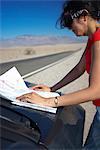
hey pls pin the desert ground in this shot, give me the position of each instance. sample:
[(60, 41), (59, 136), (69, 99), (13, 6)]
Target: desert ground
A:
[(15, 53)]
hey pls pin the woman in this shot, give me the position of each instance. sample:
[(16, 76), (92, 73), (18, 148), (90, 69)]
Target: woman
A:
[(82, 18)]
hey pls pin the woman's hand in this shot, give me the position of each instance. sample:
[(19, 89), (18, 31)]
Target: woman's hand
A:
[(41, 87), (36, 99)]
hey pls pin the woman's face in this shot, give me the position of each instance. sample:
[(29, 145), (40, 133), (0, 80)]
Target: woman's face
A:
[(79, 26)]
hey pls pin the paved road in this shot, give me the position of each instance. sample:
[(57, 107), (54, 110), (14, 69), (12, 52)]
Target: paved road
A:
[(32, 64)]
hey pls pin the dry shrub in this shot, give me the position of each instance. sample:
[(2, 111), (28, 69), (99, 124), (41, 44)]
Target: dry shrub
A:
[(29, 51)]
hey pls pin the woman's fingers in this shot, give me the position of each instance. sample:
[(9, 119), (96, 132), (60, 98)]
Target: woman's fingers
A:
[(28, 96), (41, 88), (31, 97), (34, 98), (38, 87)]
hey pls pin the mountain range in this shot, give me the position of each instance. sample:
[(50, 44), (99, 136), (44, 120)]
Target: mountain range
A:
[(31, 40)]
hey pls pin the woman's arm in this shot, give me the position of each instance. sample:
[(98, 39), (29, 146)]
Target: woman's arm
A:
[(75, 73)]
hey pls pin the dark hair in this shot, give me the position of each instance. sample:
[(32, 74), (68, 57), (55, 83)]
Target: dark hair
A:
[(76, 8)]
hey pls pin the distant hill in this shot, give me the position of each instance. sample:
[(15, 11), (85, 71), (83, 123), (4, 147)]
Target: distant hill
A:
[(31, 40)]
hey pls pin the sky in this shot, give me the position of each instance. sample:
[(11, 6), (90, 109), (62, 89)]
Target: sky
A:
[(31, 17)]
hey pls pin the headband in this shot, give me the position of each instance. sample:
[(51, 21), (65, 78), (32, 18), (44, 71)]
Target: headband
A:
[(78, 13)]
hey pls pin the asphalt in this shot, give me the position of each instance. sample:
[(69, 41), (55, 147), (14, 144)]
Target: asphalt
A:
[(29, 65)]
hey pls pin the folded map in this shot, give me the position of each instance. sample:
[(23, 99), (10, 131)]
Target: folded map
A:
[(12, 85)]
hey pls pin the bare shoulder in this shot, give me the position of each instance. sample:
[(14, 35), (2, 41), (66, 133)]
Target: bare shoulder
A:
[(96, 50), (96, 45), (95, 64)]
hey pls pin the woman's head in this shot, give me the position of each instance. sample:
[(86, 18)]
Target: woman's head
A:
[(76, 12)]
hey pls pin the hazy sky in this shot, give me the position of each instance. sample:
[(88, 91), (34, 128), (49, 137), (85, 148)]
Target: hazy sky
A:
[(32, 17)]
